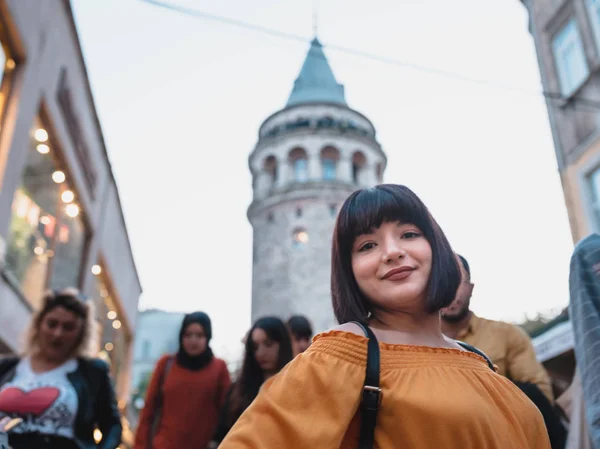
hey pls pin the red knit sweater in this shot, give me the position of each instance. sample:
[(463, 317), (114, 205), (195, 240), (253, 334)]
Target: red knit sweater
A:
[(191, 404)]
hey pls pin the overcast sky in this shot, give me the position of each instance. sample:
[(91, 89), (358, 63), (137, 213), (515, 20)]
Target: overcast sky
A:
[(181, 100)]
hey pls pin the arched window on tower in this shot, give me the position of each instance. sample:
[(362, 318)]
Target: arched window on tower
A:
[(270, 167), (299, 160), (329, 160), (380, 173), (359, 161)]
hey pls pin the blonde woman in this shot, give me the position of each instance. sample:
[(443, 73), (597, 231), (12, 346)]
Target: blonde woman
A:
[(60, 393)]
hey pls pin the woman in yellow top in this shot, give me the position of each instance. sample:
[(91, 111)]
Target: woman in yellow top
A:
[(393, 270)]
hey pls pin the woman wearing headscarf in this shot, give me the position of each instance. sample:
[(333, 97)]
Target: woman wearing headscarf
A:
[(185, 393)]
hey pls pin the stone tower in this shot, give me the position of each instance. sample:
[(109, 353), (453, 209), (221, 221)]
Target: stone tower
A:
[(309, 157)]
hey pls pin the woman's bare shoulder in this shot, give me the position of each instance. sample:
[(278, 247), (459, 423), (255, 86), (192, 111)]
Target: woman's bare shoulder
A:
[(351, 328)]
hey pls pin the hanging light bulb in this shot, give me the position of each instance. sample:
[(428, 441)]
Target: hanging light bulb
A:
[(96, 270), (72, 210), (42, 148), (58, 177), (67, 196), (111, 315), (116, 324), (41, 135)]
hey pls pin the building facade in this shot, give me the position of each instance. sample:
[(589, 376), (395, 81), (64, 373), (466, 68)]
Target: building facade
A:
[(566, 34), (61, 222), (309, 157), (157, 333)]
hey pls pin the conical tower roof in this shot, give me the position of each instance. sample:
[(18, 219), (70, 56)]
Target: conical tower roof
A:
[(316, 82)]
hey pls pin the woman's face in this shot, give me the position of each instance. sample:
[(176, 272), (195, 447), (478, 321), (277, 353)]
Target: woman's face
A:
[(392, 265), (194, 340), (59, 333), (266, 351)]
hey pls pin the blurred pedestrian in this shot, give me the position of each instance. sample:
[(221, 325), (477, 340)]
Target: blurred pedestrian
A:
[(185, 393), (392, 271), (268, 350), (302, 333), (584, 310), (509, 347), (60, 393)]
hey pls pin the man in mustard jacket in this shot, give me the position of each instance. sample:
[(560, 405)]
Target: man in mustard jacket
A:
[(508, 346)]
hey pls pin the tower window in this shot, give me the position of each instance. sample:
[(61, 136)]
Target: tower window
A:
[(299, 212), (570, 58), (358, 163), (328, 169), (299, 160), (270, 217), (332, 210), (270, 167), (329, 158), (380, 173), (301, 170), (300, 237)]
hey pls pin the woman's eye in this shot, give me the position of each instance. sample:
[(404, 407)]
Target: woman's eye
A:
[(367, 246), (411, 235)]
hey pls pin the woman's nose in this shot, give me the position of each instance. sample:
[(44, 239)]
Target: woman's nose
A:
[(393, 250)]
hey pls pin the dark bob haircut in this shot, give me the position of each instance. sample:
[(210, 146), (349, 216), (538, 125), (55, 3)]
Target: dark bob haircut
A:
[(364, 211)]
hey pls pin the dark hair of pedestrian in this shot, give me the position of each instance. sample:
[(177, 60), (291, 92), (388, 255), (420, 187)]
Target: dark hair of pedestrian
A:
[(363, 212), (300, 327), (252, 376)]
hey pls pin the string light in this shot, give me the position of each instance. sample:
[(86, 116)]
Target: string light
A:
[(41, 135), (72, 210), (96, 270), (42, 148), (111, 315), (67, 196), (116, 324), (109, 346), (58, 177)]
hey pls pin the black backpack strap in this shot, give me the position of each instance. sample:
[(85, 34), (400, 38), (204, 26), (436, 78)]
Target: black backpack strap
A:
[(371, 397), (474, 350)]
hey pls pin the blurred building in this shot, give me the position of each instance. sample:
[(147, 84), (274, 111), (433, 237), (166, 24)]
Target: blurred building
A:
[(554, 346), (157, 333), (566, 34), (61, 222), (309, 157)]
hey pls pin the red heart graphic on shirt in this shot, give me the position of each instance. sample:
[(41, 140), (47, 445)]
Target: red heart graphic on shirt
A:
[(35, 402)]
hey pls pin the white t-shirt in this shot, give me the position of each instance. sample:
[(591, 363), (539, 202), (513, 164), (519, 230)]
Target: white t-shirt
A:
[(47, 401)]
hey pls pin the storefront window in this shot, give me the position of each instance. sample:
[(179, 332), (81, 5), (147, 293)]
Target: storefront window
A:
[(114, 336), (7, 66), (47, 231)]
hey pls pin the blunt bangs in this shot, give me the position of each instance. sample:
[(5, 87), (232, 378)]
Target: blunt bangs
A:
[(367, 209), (362, 213)]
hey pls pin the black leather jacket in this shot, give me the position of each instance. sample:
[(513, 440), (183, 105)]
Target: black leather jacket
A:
[(97, 401)]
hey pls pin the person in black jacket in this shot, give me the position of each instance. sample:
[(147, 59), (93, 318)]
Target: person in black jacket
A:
[(61, 395)]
